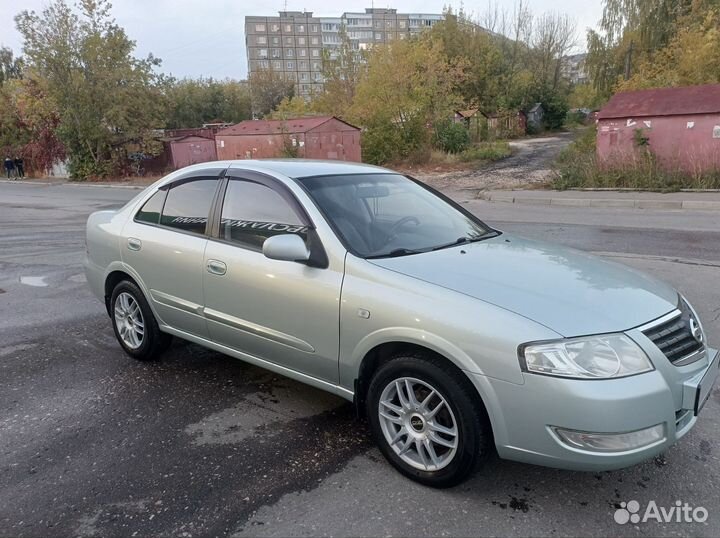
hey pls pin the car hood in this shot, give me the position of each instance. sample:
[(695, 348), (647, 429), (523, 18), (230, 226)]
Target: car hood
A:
[(568, 291)]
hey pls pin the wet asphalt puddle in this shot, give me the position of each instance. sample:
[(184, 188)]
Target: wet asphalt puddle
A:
[(94, 443)]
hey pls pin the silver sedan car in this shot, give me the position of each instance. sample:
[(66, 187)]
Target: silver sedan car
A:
[(451, 337)]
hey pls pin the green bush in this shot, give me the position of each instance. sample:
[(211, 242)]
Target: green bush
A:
[(532, 130), (577, 167), (452, 137), (556, 109), (389, 142), (380, 144), (575, 119)]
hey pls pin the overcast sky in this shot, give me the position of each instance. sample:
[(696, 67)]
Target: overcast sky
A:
[(205, 37)]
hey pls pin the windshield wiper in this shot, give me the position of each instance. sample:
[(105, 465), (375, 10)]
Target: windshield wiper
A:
[(395, 253), (458, 241), (408, 251), (465, 239)]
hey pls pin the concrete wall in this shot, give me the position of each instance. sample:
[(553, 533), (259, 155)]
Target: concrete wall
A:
[(689, 143)]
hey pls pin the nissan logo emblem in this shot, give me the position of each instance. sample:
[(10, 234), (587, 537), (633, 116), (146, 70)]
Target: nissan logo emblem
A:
[(695, 330)]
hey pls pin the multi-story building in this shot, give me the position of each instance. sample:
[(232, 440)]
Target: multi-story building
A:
[(572, 68), (293, 42)]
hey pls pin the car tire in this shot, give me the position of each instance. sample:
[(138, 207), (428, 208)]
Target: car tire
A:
[(134, 324), (454, 457)]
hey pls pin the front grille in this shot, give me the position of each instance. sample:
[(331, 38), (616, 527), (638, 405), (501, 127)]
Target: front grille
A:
[(674, 337)]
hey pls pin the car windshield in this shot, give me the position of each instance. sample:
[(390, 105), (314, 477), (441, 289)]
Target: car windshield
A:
[(385, 215)]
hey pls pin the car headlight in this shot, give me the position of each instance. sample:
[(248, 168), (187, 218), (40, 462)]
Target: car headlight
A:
[(590, 357)]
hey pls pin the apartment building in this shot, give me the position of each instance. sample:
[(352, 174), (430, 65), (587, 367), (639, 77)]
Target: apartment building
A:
[(572, 68), (292, 43)]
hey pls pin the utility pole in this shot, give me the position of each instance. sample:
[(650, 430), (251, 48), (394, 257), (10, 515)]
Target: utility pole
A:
[(628, 61)]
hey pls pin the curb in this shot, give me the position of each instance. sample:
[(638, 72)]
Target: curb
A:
[(105, 185), (701, 205), (73, 184), (25, 182), (631, 189)]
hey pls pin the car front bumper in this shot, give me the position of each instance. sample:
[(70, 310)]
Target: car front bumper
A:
[(524, 417)]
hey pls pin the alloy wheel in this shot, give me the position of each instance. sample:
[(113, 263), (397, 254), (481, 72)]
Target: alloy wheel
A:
[(418, 424), (129, 320)]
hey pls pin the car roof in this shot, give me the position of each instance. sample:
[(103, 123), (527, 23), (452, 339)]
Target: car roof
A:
[(292, 168), (300, 168)]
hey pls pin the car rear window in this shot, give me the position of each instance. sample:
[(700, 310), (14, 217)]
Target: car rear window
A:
[(150, 211)]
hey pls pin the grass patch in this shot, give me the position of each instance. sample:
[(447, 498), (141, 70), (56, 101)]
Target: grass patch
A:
[(433, 160), (577, 167), (482, 151), (486, 151)]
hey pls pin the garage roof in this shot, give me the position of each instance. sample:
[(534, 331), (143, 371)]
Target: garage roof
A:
[(295, 125), (663, 102)]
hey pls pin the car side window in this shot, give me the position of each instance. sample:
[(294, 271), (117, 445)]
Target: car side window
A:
[(252, 212), (188, 205), (150, 211)]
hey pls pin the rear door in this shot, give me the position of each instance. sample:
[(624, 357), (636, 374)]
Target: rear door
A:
[(165, 244), (283, 312)]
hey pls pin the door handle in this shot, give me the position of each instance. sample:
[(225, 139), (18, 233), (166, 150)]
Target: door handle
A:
[(134, 244), (216, 267)]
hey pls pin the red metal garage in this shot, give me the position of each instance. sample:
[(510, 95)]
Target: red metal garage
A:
[(325, 137), (191, 149), (681, 126)]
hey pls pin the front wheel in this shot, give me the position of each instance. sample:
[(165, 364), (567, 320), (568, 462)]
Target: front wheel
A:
[(134, 324), (425, 420)]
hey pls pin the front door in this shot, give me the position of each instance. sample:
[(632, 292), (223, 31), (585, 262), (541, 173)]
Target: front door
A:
[(283, 312)]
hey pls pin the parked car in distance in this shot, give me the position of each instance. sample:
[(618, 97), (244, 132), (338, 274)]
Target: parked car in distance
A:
[(451, 337)]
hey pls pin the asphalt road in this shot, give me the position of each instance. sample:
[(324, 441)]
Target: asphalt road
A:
[(199, 444)]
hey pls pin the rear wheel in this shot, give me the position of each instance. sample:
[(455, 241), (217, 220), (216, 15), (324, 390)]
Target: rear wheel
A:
[(425, 420), (134, 324)]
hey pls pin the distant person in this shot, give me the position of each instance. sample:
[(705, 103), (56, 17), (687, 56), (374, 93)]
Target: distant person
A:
[(9, 166), (19, 167)]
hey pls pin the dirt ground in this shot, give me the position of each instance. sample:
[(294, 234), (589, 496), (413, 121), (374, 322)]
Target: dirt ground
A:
[(528, 167)]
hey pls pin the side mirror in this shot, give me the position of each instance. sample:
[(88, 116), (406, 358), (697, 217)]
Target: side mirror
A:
[(286, 247)]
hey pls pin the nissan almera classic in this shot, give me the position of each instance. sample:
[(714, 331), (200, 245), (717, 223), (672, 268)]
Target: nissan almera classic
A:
[(451, 337)]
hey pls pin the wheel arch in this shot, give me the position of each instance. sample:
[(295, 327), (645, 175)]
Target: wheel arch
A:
[(116, 274), (386, 351)]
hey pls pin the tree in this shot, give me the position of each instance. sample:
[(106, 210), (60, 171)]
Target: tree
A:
[(584, 96), (293, 107), (528, 52), (692, 56), (341, 72), (553, 37), (473, 47), (10, 67), (630, 33), (409, 86), (30, 122), (268, 88), (192, 102), (109, 101)]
